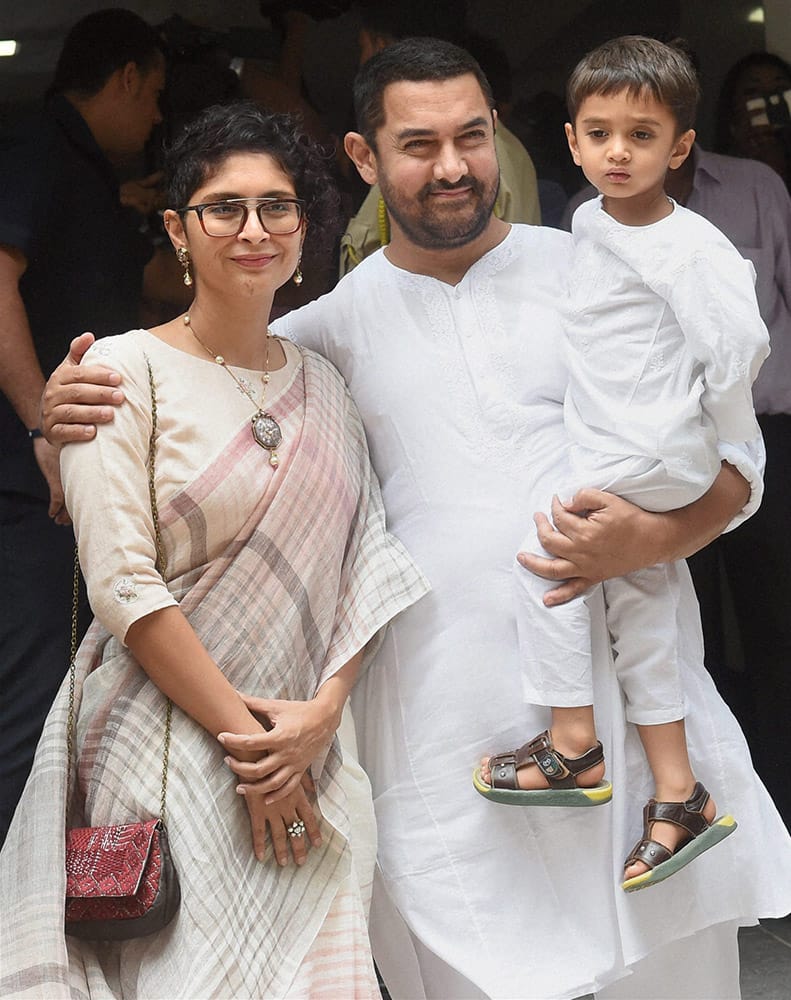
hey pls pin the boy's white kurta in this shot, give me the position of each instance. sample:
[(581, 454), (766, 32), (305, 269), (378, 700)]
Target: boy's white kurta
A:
[(460, 389), (663, 343)]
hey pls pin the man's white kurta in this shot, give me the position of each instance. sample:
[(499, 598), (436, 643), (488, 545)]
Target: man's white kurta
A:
[(460, 389)]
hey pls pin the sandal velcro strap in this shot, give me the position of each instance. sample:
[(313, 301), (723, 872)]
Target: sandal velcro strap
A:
[(688, 815), (541, 752), (559, 771)]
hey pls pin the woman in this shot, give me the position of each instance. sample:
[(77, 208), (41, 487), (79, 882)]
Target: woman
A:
[(280, 574)]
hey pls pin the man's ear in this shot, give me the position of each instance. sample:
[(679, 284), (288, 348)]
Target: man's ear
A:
[(571, 139), (362, 156), (130, 77), (682, 148)]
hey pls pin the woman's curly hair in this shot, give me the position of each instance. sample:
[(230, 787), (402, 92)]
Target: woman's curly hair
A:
[(222, 130)]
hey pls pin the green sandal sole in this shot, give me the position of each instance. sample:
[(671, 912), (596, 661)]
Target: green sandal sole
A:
[(717, 832), (597, 795)]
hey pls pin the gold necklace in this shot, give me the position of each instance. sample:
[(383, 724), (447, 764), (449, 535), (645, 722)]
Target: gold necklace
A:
[(266, 430)]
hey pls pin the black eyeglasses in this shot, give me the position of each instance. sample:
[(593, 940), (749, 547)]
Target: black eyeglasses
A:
[(278, 216)]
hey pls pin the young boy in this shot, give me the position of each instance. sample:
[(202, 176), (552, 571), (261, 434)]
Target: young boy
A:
[(663, 342)]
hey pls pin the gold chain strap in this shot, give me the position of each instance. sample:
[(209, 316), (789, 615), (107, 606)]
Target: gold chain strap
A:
[(75, 605), (160, 550), (75, 598)]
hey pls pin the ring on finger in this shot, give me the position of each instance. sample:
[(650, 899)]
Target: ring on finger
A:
[(296, 829)]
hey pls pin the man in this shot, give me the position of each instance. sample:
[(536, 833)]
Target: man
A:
[(748, 202), (449, 341), (382, 24), (69, 258)]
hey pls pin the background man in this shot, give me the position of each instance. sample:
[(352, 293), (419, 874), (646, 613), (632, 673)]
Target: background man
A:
[(69, 260)]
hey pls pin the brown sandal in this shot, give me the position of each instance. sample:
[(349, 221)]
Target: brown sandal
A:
[(661, 861), (561, 774)]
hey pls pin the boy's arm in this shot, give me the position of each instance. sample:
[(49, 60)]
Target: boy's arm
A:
[(598, 535), (75, 399)]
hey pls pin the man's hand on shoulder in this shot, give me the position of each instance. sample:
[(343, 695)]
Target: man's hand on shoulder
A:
[(77, 398)]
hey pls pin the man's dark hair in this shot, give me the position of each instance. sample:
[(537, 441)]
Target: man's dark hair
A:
[(643, 67), (222, 130), (100, 44), (415, 60)]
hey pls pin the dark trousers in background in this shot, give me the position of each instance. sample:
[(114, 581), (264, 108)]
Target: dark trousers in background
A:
[(743, 582), (36, 573)]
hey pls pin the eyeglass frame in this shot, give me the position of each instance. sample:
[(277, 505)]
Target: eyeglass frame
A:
[(243, 202)]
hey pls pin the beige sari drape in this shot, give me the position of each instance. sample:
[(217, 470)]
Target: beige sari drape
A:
[(311, 579)]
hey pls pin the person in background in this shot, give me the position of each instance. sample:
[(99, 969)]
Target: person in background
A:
[(537, 121), (753, 116), (70, 258)]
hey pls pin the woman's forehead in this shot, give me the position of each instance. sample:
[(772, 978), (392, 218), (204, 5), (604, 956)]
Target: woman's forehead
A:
[(243, 171)]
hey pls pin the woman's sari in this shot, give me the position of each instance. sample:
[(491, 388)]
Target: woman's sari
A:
[(310, 579)]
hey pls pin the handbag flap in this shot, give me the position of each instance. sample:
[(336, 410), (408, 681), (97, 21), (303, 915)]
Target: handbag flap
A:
[(108, 860)]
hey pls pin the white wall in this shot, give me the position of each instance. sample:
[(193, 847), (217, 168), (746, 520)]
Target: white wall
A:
[(777, 15)]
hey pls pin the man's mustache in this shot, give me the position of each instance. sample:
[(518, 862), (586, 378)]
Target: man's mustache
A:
[(464, 182)]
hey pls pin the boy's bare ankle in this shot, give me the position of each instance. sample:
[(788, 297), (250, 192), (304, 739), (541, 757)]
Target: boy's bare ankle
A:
[(674, 790), (573, 742), (573, 730)]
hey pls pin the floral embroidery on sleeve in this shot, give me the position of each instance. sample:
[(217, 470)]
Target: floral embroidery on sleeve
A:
[(125, 590)]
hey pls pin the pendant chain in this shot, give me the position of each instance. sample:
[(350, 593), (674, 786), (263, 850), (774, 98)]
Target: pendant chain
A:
[(266, 430)]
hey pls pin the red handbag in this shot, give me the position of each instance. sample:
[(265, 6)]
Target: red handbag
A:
[(120, 880)]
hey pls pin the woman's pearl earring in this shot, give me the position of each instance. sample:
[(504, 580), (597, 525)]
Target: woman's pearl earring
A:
[(183, 257)]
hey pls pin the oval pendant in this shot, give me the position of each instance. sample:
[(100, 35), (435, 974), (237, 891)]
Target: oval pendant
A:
[(266, 431)]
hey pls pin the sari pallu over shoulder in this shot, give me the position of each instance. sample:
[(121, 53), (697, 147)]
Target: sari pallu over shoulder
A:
[(311, 579)]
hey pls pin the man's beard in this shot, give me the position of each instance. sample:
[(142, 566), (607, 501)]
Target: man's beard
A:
[(441, 231)]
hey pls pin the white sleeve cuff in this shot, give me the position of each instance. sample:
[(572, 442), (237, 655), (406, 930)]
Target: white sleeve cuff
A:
[(750, 460)]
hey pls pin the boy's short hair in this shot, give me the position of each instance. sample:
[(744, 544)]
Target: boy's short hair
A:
[(642, 67), (415, 60)]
